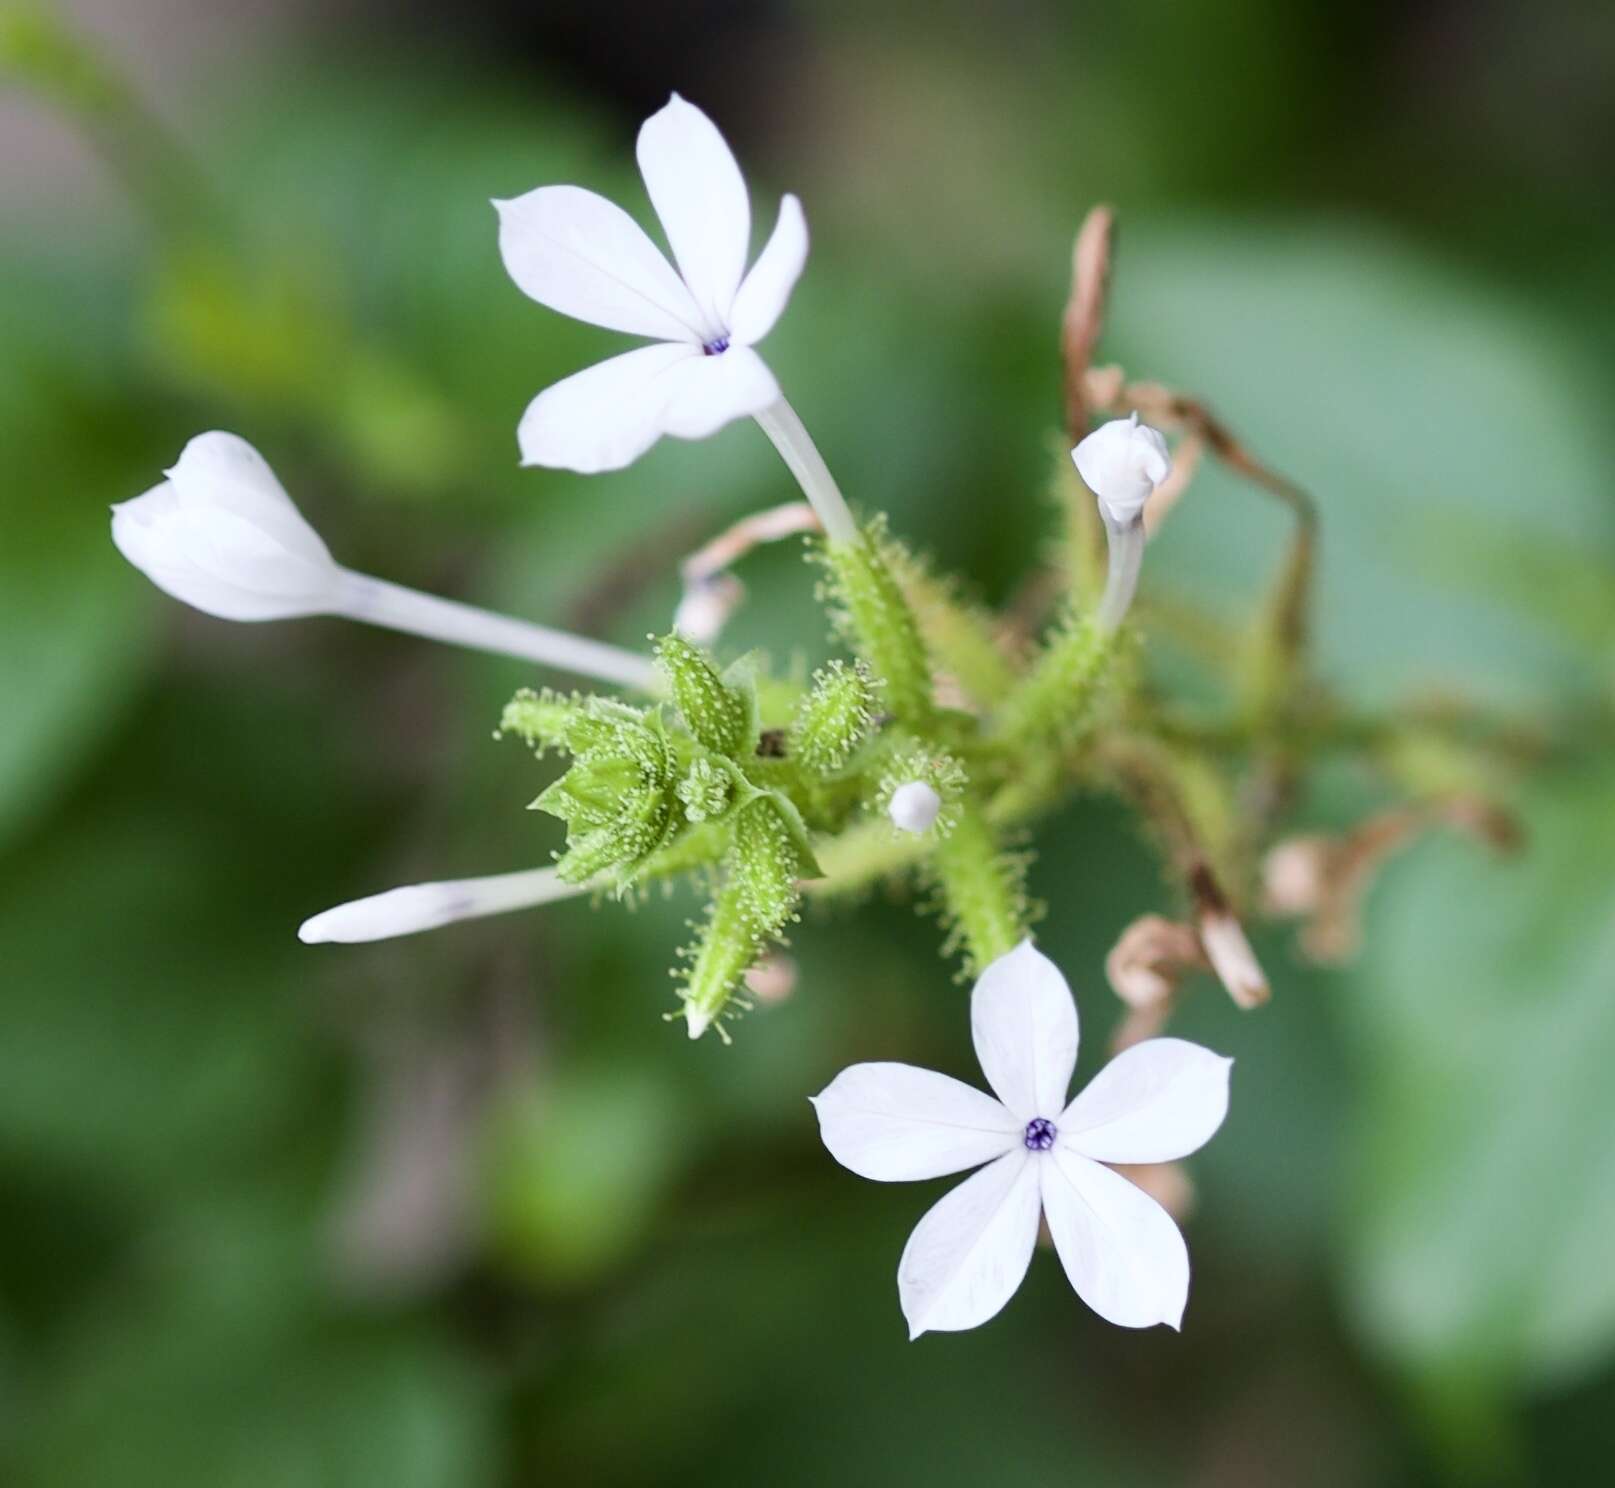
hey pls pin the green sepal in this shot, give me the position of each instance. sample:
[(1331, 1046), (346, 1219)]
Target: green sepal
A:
[(619, 798), (765, 866), (717, 715), (834, 717)]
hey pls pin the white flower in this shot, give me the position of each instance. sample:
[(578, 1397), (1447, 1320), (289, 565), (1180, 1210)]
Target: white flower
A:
[(223, 536), (1122, 462), (1160, 1100), (914, 807), (578, 253)]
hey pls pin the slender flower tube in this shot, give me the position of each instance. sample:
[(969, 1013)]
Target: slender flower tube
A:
[(583, 256), (796, 447), (1122, 463), (221, 535), (417, 907)]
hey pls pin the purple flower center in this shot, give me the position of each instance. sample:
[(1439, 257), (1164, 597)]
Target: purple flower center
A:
[(1040, 1134), (716, 347)]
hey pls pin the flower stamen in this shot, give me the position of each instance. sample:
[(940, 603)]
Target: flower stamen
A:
[(1040, 1134)]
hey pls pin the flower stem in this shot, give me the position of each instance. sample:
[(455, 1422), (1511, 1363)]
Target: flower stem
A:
[(377, 602), (797, 449), (1126, 544)]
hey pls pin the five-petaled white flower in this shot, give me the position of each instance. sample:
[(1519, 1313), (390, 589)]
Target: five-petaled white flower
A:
[(1159, 1100), (578, 253)]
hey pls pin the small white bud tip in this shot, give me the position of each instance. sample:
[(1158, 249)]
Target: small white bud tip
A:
[(1122, 463), (417, 907), (404, 911), (697, 1022), (914, 807)]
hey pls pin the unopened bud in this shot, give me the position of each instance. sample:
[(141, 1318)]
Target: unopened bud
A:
[(1122, 462), (222, 535), (715, 712), (833, 718), (914, 807)]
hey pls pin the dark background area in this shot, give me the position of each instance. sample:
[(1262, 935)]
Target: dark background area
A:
[(461, 1209)]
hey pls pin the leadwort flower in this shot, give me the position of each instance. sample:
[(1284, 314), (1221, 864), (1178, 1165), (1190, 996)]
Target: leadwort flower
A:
[(578, 253), (920, 756), (221, 535), (1160, 1100)]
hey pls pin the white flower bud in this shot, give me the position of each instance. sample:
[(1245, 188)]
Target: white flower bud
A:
[(417, 907), (222, 535), (914, 807), (1122, 462)]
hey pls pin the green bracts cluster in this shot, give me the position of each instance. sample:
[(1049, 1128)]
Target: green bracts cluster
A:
[(712, 785)]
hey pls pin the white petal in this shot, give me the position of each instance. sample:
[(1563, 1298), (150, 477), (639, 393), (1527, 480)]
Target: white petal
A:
[(1122, 463), (584, 256), (714, 390), (1120, 1249), (222, 471), (605, 416), (218, 562), (1159, 1100), (893, 1122), (772, 278), (700, 195), (967, 1256), (1024, 1022)]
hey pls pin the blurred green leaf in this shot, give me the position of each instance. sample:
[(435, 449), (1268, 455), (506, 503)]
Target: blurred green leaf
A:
[(577, 1167), (1484, 1015), (75, 632), (1411, 402), (145, 1041), (73, 637)]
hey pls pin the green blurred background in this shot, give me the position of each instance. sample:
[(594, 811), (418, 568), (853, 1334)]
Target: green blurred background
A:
[(462, 1210)]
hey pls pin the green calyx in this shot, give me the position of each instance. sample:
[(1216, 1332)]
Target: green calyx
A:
[(745, 781), (706, 790), (719, 716), (834, 717), (618, 799), (758, 898), (873, 614), (1054, 702)]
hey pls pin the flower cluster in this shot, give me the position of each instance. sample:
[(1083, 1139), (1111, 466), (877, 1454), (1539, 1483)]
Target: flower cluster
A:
[(920, 755)]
